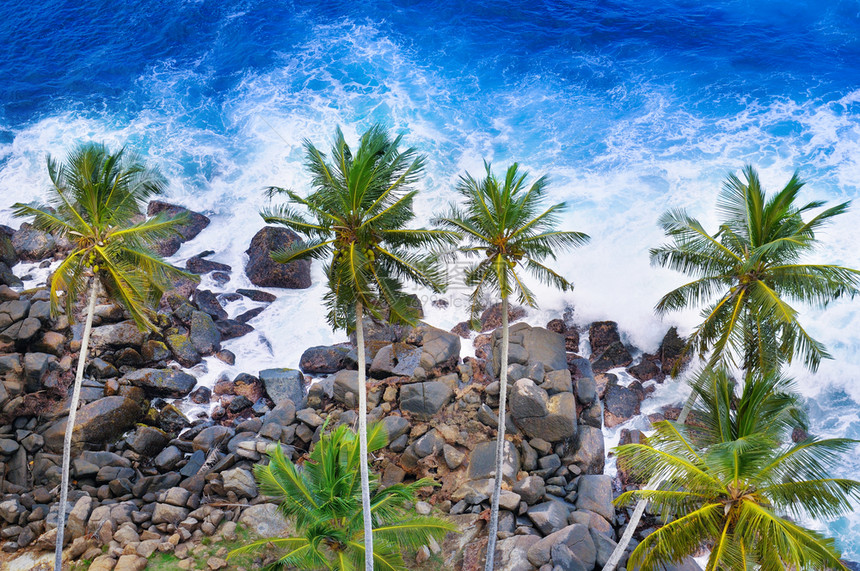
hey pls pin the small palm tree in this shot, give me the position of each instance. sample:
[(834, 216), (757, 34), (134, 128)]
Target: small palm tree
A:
[(735, 482), (752, 266), (95, 200), (323, 497), (359, 211), (505, 222)]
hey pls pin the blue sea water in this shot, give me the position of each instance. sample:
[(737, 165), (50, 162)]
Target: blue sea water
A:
[(630, 107)]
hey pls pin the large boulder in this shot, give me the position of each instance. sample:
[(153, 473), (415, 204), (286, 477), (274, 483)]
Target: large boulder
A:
[(161, 382), (576, 537), (12, 311), (590, 454), (263, 271), (96, 423), (122, 334), (545, 346), (326, 359), (671, 352), (482, 462), (397, 359), (549, 516), (8, 277), (440, 350), (602, 334), (620, 404), (33, 245), (8, 255), (541, 416), (204, 335), (285, 384), (183, 349), (193, 223), (266, 520), (424, 400), (595, 494)]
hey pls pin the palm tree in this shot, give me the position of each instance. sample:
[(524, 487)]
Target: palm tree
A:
[(504, 222), (736, 482), (323, 496), (359, 210), (95, 200), (753, 267)]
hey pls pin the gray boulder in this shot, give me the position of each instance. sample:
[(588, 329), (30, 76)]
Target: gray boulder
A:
[(326, 359), (122, 334), (595, 494), (549, 516), (541, 416), (96, 423), (203, 334), (545, 346), (424, 400), (397, 359), (590, 453), (482, 462), (193, 223), (33, 245), (576, 537), (285, 384)]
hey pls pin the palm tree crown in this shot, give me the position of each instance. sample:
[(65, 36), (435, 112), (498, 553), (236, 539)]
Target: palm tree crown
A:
[(505, 222), (735, 482), (323, 497), (358, 214), (96, 200), (753, 265)]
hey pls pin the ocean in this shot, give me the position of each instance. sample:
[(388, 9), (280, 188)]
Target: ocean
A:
[(630, 108)]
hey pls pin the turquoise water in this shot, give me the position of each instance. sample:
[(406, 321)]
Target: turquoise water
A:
[(631, 107)]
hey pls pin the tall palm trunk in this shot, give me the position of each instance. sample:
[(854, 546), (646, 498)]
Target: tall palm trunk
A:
[(362, 438), (500, 441), (70, 426)]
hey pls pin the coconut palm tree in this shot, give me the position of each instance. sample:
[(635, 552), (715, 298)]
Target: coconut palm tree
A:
[(357, 217), (95, 201), (736, 483), (323, 497), (505, 223), (753, 267)]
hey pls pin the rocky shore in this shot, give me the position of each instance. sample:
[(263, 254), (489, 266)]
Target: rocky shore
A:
[(148, 480)]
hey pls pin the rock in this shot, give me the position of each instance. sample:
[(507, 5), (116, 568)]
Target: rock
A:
[(604, 546), (265, 520), (325, 359), (429, 444), (557, 382), (345, 390), (397, 359), (619, 405), (257, 295), (201, 395), (453, 457), (36, 365), (575, 537), (22, 331), (209, 304), (8, 256), (250, 314), (153, 350), (545, 347), (602, 334), (284, 384), (33, 245), (440, 350), (96, 423), (491, 318), (265, 272), (644, 370), (171, 420), (590, 452), (241, 482), (161, 382), (204, 336), (212, 437), (122, 334), (12, 311), (511, 553), (168, 458), (616, 355), (8, 278), (424, 400), (595, 494), (148, 440), (76, 523), (183, 349), (101, 369), (549, 516), (192, 225), (200, 265), (671, 352), (165, 513), (395, 426), (539, 415), (531, 489), (231, 329), (482, 462), (283, 414)]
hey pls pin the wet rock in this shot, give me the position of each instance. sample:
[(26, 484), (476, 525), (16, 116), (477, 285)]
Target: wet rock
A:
[(193, 224), (208, 303), (200, 265), (602, 334), (33, 245), (148, 441), (122, 334), (152, 351), (424, 400), (590, 452), (231, 329), (265, 272), (326, 359), (201, 395), (101, 369), (616, 355), (204, 336), (8, 278), (645, 370), (250, 314), (284, 384), (491, 318), (96, 423), (482, 462), (671, 352), (161, 382), (619, 405), (257, 295)]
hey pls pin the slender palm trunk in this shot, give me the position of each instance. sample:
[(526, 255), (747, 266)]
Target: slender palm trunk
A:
[(70, 425), (500, 441), (362, 438)]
